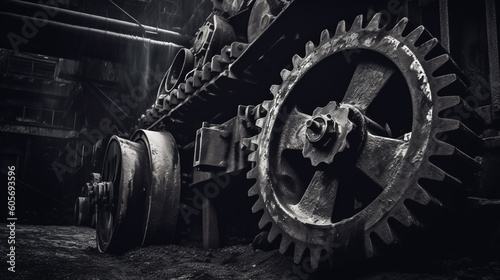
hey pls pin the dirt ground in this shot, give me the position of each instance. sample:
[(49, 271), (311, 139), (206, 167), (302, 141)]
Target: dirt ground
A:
[(68, 252)]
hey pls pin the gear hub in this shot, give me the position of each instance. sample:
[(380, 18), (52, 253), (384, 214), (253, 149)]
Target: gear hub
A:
[(320, 130), (326, 133)]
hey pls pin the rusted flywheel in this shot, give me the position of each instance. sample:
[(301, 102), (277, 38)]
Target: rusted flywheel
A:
[(162, 188), (119, 195), (354, 141)]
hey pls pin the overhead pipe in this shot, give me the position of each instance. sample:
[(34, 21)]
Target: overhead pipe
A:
[(42, 36), (92, 21)]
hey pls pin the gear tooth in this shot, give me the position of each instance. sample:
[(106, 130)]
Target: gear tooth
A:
[(273, 233), (385, 233), (405, 217), (254, 140), (437, 62), (451, 125), (275, 89), (435, 173), (285, 73), (340, 28), (310, 47), (357, 24), (426, 47), (415, 34), (453, 180), (259, 123), (446, 102), (400, 26), (314, 160), (285, 243), (299, 252), (296, 60), (252, 157), (375, 22), (267, 105), (324, 37), (443, 81), (265, 219), (254, 190), (252, 174), (259, 205), (315, 257), (207, 73), (422, 197), (216, 64)]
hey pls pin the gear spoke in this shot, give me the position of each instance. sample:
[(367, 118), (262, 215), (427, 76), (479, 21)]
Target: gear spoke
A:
[(293, 132), (388, 153), (319, 199), (368, 80)]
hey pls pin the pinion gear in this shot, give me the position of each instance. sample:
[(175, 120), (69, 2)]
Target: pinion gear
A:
[(395, 93)]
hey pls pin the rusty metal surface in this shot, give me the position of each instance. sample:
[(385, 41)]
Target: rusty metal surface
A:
[(367, 127), (125, 170), (345, 209), (162, 188)]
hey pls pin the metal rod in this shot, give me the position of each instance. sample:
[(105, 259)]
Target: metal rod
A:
[(93, 21), (127, 14), (74, 42)]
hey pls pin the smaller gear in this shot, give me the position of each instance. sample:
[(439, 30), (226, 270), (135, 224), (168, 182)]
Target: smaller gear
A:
[(203, 38), (326, 133)]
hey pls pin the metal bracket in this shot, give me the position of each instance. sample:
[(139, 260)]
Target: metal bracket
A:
[(224, 148), (211, 147)]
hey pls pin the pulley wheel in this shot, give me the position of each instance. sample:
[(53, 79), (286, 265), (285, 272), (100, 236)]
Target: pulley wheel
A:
[(125, 168), (81, 212), (182, 64), (162, 192)]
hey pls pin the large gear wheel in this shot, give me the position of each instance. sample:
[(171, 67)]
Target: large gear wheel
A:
[(352, 146)]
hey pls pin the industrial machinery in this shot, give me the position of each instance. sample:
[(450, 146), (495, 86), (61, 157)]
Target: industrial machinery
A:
[(355, 123)]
